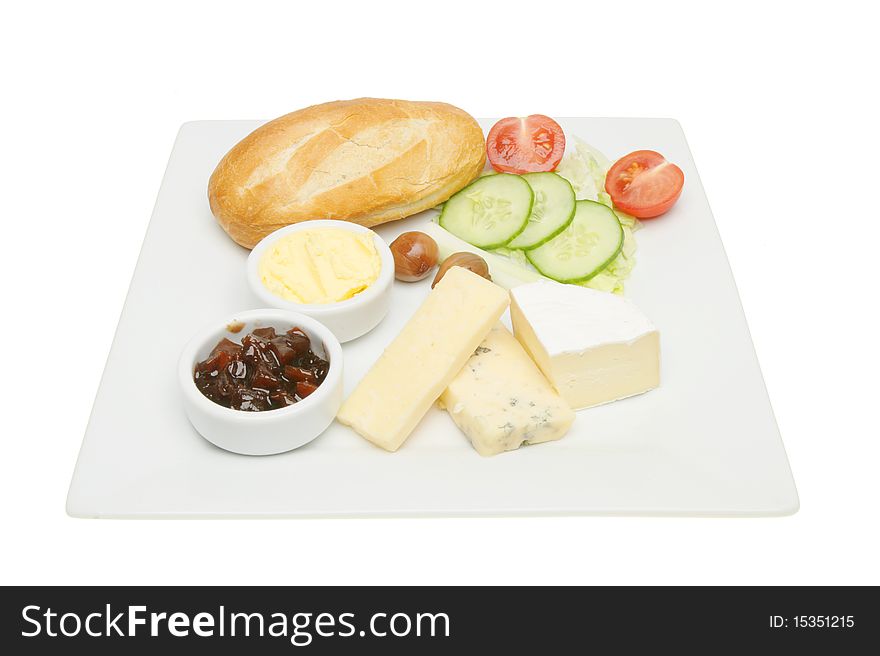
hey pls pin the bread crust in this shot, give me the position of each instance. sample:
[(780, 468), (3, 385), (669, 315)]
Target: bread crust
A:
[(367, 160)]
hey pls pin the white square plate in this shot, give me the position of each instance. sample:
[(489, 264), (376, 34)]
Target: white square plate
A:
[(704, 443)]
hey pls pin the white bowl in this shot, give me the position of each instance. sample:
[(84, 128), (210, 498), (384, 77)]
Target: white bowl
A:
[(271, 431), (347, 319)]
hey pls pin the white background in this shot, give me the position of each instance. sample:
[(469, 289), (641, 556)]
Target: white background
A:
[(778, 101)]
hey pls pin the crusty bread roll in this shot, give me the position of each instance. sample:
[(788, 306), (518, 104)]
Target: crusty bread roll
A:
[(367, 160)]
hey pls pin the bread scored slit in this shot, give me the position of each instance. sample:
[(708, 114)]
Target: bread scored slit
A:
[(349, 163), (277, 164)]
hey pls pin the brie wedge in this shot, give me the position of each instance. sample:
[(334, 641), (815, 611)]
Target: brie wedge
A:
[(593, 346)]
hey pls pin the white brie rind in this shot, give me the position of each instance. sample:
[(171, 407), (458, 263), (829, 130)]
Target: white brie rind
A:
[(594, 347)]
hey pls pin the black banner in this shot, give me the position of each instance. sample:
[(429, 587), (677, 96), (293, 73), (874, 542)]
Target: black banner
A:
[(421, 620)]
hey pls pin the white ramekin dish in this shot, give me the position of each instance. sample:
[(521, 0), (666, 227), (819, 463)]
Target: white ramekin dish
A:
[(347, 319), (271, 431)]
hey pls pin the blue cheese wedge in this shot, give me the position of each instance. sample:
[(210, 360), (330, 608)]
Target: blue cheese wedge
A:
[(594, 347), (500, 400)]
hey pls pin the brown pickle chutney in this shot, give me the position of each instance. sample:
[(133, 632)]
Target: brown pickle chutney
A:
[(266, 371)]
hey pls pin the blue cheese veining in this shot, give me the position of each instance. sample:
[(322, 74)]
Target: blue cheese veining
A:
[(501, 400)]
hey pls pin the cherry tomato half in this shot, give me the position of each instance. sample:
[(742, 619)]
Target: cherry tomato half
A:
[(644, 184), (525, 145)]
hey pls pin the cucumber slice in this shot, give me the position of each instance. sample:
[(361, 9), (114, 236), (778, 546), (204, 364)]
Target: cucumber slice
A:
[(589, 244), (490, 211), (552, 211)]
